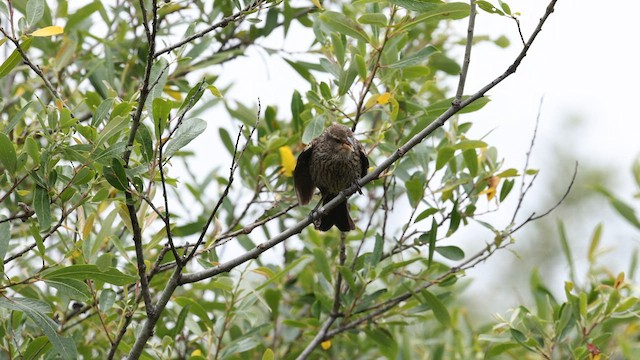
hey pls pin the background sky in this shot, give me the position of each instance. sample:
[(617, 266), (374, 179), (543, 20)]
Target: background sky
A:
[(585, 65)]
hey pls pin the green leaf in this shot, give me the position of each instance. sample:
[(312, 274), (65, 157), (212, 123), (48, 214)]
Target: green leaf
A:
[(297, 107), (444, 155), (268, 354), (86, 271), (5, 236), (595, 242), (508, 173), (439, 310), (188, 130), (116, 176), (42, 207), (71, 288), (107, 299), (314, 128), (471, 161), (36, 310), (416, 58), (14, 59), (425, 214), (340, 23), (433, 233), (373, 19), (197, 309), (36, 348), (322, 263), (82, 14), (113, 128), (622, 208), (454, 10), (377, 251), (115, 150), (35, 11), (506, 189), (469, 144), (415, 190), (102, 111), (450, 252), (418, 5), (17, 117), (8, 157)]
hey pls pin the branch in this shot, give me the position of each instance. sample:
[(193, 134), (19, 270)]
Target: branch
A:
[(239, 16), (384, 165), (467, 51)]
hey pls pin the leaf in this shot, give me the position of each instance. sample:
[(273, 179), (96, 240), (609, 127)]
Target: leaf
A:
[(471, 161), (622, 208), (188, 130), (432, 239), (340, 23), (214, 91), (373, 19), (287, 161), (444, 155), (113, 128), (196, 308), (86, 271), (42, 207), (268, 354), (36, 310), (107, 299), (71, 288), (469, 144), (376, 255), (425, 214), (14, 59), (101, 111), (439, 310), (508, 173), (48, 31), (8, 157), (314, 129), (594, 243), (5, 236), (35, 11), (416, 58), (450, 252), (506, 189), (297, 106), (418, 5), (415, 190), (17, 117), (322, 263)]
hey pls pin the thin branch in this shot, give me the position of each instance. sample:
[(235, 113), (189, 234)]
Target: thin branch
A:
[(467, 51), (373, 175), (239, 16), (524, 189)]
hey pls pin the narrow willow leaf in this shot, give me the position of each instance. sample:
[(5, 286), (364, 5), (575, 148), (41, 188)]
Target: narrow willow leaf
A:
[(188, 130), (439, 310), (42, 207), (8, 157), (313, 129), (342, 24), (86, 271), (14, 59), (416, 58)]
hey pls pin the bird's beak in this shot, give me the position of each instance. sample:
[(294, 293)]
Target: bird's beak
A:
[(349, 144)]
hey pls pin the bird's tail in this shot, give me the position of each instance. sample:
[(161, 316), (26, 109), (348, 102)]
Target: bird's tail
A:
[(338, 216)]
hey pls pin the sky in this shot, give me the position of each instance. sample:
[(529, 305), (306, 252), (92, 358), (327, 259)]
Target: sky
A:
[(583, 65)]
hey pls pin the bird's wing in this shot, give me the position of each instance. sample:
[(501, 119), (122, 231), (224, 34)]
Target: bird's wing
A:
[(302, 176), (364, 161)]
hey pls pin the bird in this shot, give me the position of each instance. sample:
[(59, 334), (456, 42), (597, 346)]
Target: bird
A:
[(332, 162)]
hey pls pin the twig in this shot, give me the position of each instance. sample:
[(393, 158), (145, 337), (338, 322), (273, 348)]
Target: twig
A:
[(222, 23), (524, 189), (384, 165), (467, 51)]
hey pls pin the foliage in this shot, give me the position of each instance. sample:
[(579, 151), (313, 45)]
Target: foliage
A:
[(109, 249)]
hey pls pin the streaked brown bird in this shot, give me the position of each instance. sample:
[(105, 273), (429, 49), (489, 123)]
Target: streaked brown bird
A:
[(332, 162)]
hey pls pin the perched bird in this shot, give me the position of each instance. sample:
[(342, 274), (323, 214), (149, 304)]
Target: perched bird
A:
[(332, 162)]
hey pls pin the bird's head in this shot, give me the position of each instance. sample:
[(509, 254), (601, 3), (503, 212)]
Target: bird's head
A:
[(342, 136)]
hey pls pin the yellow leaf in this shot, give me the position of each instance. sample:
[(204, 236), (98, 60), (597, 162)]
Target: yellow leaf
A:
[(317, 4), (48, 31), (326, 345), (619, 280), (214, 90), (196, 352), (175, 95), (287, 161), (372, 101), (491, 188), (383, 99)]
